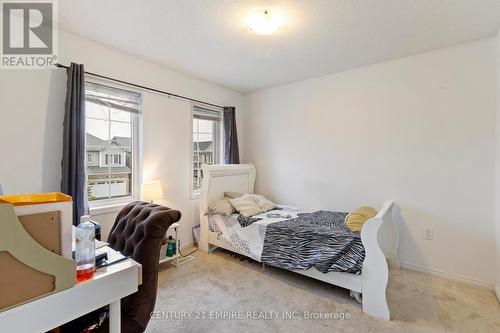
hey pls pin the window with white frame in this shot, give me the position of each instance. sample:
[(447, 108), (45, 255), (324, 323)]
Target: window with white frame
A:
[(206, 142), (112, 143), (113, 159)]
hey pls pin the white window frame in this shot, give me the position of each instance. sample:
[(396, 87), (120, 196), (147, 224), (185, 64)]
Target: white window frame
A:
[(195, 193), (104, 206)]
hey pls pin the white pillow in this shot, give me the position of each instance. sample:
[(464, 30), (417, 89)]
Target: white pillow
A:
[(233, 195), (245, 206), (222, 207), (264, 204), (252, 204)]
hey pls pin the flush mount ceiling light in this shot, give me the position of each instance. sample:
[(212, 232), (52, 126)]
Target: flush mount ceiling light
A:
[(265, 21)]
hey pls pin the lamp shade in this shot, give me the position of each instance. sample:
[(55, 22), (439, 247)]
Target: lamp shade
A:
[(152, 190)]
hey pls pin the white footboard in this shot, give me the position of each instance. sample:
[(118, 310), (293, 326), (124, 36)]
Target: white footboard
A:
[(380, 239)]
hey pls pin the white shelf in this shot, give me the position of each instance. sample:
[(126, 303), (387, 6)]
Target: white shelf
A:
[(163, 257), (167, 259)]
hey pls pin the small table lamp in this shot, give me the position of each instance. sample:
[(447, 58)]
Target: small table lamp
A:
[(152, 190)]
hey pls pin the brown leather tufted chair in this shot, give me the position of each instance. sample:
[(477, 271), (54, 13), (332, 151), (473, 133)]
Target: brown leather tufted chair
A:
[(137, 232)]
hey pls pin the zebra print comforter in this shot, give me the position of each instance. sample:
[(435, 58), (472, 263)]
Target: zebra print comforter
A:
[(318, 240), (295, 240)]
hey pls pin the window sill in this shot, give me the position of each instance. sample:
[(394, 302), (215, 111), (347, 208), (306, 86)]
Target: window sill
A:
[(101, 210)]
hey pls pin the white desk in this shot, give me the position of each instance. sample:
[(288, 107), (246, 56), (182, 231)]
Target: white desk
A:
[(108, 286)]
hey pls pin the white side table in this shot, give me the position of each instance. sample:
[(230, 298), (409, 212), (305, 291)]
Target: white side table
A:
[(175, 258)]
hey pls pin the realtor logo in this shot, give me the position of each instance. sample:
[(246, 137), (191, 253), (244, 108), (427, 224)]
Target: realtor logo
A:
[(29, 34)]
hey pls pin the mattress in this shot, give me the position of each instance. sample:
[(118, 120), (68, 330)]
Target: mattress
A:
[(294, 239)]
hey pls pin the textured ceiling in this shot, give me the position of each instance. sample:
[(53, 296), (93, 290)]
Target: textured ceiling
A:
[(209, 38)]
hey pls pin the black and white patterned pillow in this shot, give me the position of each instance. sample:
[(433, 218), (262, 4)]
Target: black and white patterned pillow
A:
[(246, 221)]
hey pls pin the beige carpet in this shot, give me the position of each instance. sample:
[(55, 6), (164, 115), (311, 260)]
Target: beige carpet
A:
[(218, 282)]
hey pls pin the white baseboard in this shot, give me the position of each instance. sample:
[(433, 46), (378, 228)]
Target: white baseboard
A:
[(448, 276), (187, 245)]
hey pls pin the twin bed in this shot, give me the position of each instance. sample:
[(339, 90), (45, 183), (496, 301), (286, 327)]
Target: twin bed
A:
[(311, 243)]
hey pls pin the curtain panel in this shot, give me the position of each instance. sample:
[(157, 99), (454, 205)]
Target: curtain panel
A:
[(231, 149), (73, 180)]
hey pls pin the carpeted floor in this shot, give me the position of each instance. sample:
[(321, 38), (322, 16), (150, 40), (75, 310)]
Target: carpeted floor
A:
[(246, 299)]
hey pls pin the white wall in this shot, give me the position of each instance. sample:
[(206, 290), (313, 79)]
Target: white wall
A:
[(418, 130), (32, 109), (167, 153), (31, 129), (497, 171)]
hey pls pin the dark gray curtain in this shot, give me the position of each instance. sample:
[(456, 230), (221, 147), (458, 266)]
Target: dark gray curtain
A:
[(73, 180), (231, 150)]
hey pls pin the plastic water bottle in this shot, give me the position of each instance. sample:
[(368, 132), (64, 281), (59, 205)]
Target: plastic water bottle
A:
[(85, 249)]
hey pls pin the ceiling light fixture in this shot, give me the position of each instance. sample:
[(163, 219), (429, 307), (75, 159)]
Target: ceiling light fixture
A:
[(265, 21)]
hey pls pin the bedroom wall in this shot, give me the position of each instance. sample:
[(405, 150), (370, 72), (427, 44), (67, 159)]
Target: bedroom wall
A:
[(32, 109), (31, 116), (418, 130), (497, 171)]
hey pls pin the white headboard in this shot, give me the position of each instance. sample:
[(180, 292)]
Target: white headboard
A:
[(218, 179)]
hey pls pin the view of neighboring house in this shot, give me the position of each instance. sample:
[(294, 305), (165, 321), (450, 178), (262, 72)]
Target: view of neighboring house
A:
[(202, 154), (109, 165)]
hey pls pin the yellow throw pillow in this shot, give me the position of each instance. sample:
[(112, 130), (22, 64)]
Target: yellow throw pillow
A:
[(354, 221)]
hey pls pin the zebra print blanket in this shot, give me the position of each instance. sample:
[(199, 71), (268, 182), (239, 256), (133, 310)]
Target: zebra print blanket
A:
[(293, 239), (318, 240)]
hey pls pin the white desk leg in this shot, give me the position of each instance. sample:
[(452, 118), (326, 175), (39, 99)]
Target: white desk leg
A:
[(114, 317), (177, 248)]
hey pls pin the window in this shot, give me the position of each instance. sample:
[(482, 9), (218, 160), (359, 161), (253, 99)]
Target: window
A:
[(113, 159), (112, 126), (206, 142), (90, 158)]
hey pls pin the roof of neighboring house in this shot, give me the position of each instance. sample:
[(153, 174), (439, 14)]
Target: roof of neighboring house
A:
[(95, 144), (122, 141), (92, 140), (95, 170), (204, 145)]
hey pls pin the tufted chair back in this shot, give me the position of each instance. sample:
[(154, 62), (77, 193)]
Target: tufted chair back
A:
[(138, 232)]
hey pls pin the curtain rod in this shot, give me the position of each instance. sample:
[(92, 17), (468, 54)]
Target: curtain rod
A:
[(145, 88)]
